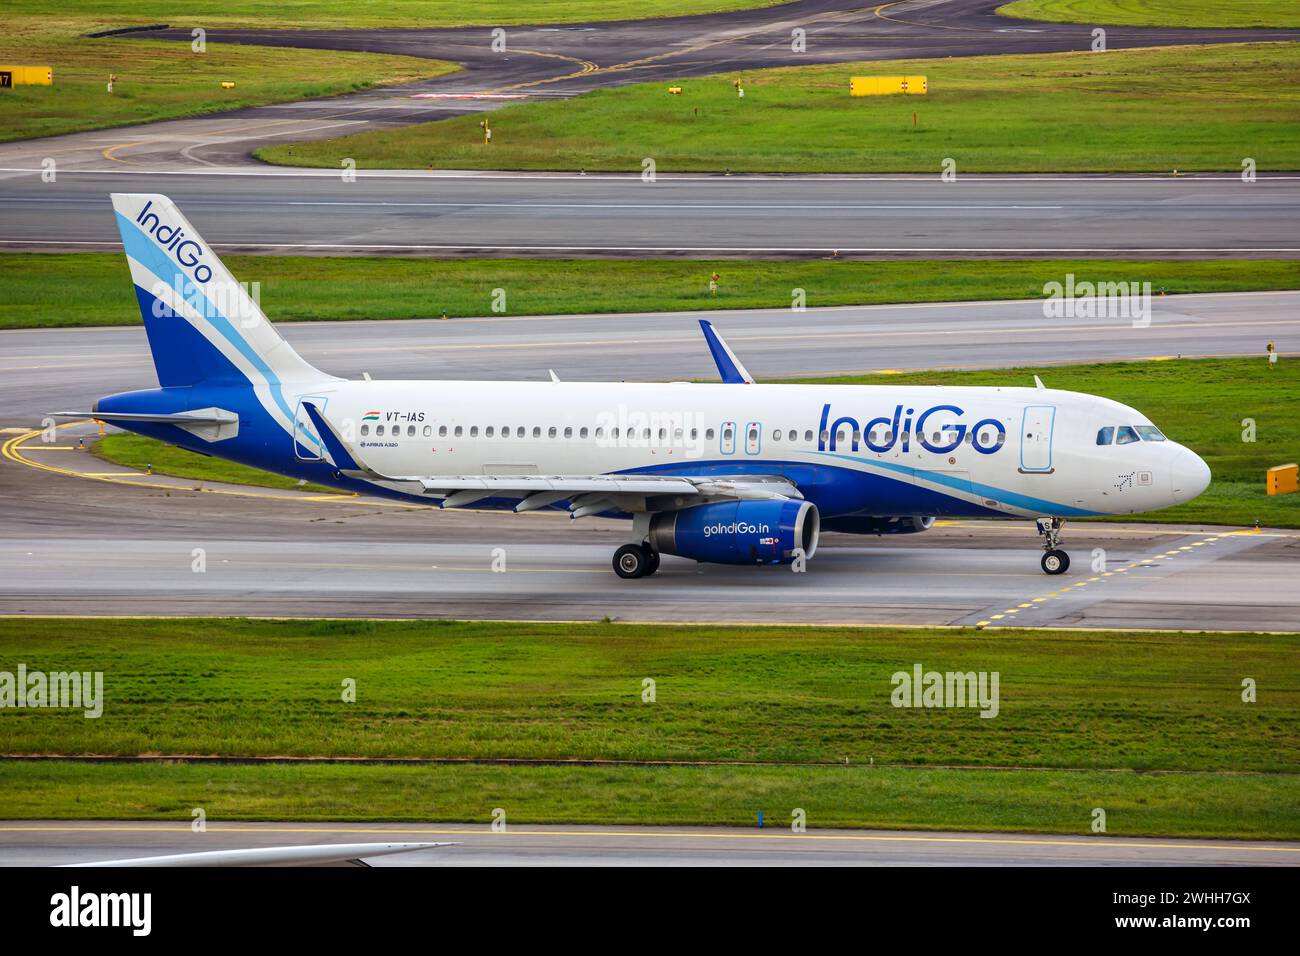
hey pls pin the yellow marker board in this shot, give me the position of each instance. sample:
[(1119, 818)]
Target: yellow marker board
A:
[(25, 76), (887, 85), (1283, 480)]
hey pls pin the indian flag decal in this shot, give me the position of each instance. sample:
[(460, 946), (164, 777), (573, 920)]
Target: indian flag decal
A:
[(370, 416)]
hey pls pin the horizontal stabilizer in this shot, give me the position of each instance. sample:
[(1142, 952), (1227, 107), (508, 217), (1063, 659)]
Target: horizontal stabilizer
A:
[(210, 424), (208, 416)]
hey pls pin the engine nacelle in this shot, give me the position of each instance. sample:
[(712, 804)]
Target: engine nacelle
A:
[(874, 524), (738, 532)]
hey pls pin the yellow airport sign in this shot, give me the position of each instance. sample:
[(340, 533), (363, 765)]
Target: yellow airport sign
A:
[(25, 76), (886, 85), (1283, 480)]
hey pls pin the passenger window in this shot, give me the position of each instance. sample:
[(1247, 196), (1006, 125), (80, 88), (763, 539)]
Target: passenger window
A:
[(839, 436), (776, 434), (365, 429), (537, 431), (489, 431), (458, 430), (1126, 435), (1106, 435), (708, 434), (410, 431), (473, 431), (1150, 433), (825, 436), (379, 429), (695, 433), (519, 432), (568, 433), (428, 430), (807, 436)]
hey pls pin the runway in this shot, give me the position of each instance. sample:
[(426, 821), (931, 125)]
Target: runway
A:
[(83, 537), (51, 843), (884, 217)]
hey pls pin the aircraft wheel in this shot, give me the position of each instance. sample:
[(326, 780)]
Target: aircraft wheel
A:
[(1056, 562), (653, 564), (631, 561)]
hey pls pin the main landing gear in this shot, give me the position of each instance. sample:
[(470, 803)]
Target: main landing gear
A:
[(1055, 561), (636, 561)]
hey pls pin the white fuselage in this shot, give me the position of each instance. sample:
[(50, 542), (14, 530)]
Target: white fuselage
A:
[(855, 449)]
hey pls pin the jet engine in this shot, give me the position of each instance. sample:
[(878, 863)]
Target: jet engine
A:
[(738, 532)]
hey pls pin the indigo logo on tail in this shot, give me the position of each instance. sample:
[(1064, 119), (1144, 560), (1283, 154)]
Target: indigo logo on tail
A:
[(172, 238)]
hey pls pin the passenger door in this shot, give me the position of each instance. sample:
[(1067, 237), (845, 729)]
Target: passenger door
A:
[(1036, 427)]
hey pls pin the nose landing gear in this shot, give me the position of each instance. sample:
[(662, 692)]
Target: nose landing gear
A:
[(636, 561), (1055, 560)]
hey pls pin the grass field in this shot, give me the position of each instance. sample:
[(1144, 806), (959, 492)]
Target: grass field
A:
[(1198, 402), (136, 451), (1243, 806), (337, 14), (1073, 707), (165, 80), (1165, 13), (1153, 110), (40, 290)]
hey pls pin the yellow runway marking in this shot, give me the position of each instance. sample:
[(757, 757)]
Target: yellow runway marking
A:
[(108, 153), (1099, 843)]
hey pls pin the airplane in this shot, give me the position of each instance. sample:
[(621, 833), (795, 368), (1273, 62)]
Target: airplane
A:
[(731, 473)]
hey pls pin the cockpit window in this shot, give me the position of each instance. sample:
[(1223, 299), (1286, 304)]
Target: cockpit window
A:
[(1106, 435), (1150, 433), (1126, 434)]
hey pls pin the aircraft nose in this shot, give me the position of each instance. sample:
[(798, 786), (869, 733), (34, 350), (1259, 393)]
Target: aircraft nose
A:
[(1189, 475)]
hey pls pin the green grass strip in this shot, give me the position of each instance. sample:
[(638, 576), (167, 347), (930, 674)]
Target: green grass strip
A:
[(41, 290)]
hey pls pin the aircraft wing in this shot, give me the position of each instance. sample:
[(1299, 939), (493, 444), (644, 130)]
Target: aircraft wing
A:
[(329, 854), (729, 366), (586, 494)]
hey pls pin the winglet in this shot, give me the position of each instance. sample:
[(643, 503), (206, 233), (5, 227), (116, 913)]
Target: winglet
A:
[(333, 442), (729, 367)]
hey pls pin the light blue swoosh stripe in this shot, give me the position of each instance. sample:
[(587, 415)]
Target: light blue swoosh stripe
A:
[(1026, 502)]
